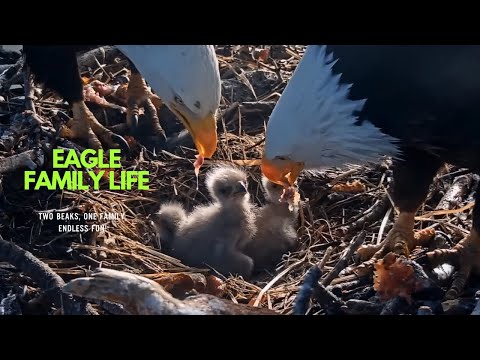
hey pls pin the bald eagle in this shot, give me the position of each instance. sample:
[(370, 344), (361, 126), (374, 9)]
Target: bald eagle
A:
[(355, 103), (185, 77)]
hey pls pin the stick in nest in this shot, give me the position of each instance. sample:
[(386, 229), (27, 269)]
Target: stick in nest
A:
[(91, 58), (142, 296), (310, 282), (376, 213), (342, 263), (44, 276), (28, 88), (327, 300), (306, 290), (347, 285), (454, 196), (29, 159)]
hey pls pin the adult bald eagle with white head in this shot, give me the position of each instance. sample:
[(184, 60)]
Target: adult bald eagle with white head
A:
[(355, 103), (185, 77)]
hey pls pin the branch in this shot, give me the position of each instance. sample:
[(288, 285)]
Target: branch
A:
[(376, 213), (29, 159), (342, 263), (454, 196), (302, 300), (327, 300), (29, 89), (142, 296), (310, 283), (44, 276)]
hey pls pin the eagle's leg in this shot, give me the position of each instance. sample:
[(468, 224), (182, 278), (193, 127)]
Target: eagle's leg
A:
[(84, 126), (465, 256), (138, 95), (412, 177), (57, 69)]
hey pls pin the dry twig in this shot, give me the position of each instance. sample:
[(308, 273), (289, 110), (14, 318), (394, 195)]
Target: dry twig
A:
[(342, 263)]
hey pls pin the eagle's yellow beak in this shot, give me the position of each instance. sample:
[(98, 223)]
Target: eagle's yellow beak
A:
[(203, 132), (281, 171)]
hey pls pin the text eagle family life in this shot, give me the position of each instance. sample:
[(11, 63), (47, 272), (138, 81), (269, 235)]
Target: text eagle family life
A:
[(84, 177)]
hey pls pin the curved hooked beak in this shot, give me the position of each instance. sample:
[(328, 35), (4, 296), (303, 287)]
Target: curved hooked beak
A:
[(203, 132), (281, 171)]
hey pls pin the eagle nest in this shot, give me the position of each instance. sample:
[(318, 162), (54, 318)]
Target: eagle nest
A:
[(342, 210)]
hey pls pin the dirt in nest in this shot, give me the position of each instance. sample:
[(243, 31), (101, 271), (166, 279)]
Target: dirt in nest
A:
[(336, 205)]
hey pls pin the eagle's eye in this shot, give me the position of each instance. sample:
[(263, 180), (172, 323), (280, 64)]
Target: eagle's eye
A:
[(178, 100)]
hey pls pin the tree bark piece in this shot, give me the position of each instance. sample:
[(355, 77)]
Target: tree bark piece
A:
[(142, 296)]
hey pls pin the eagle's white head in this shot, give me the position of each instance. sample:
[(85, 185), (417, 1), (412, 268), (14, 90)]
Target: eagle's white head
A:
[(313, 124), (187, 79)]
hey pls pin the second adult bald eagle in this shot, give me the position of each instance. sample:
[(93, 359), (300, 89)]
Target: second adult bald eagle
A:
[(353, 103)]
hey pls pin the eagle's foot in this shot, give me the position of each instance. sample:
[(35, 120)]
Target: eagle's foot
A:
[(465, 256), (85, 127), (138, 95), (400, 240)]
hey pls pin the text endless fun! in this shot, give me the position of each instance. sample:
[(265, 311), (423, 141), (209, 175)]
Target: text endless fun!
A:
[(78, 179)]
